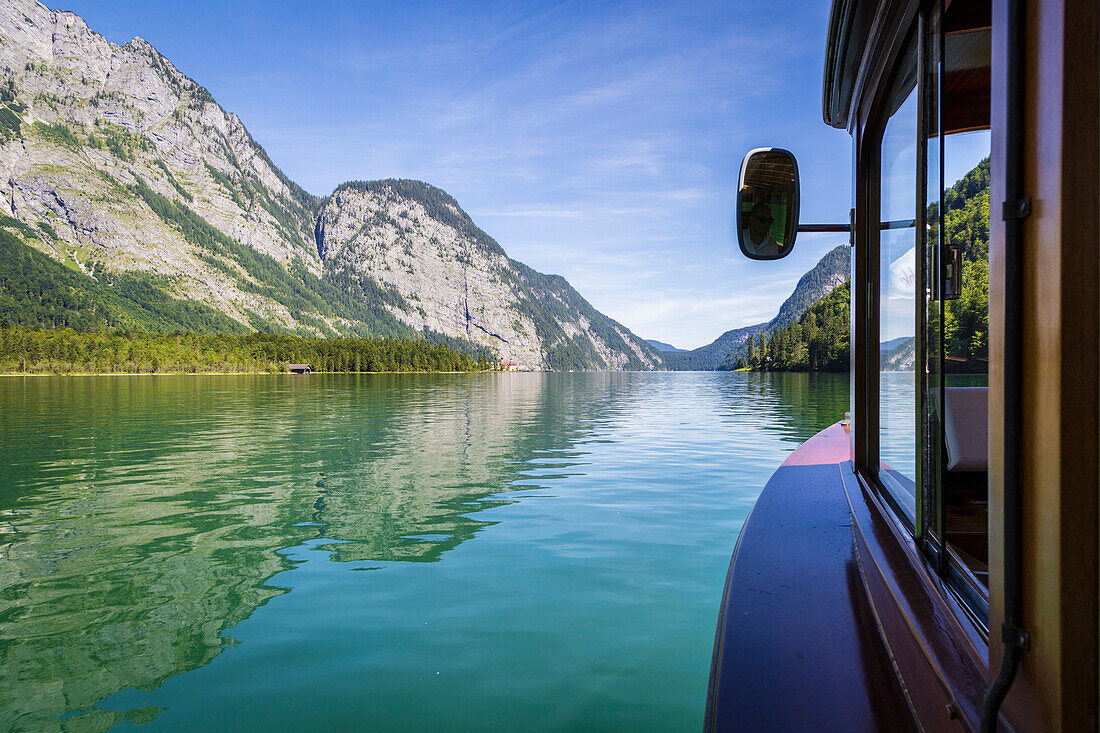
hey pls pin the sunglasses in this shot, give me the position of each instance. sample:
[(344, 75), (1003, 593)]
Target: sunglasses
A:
[(764, 219)]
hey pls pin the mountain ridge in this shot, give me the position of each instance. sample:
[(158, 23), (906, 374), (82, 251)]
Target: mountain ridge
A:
[(115, 164), (831, 270), (662, 346)]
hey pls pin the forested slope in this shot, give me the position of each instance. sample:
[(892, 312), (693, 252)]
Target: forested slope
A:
[(966, 222), (817, 341), (723, 352)]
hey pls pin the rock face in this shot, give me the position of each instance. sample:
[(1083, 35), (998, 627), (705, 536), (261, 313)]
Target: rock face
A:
[(112, 161), (829, 272), (901, 358), (450, 277)]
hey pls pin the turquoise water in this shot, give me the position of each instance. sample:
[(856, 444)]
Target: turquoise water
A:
[(378, 552)]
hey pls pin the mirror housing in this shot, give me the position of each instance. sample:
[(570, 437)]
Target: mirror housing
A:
[(767, 204), (952, 271)]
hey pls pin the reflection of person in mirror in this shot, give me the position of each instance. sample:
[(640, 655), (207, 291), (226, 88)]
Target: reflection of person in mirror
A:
[(755, 235)]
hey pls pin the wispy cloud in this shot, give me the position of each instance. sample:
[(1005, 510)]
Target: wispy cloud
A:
[(600, 141)]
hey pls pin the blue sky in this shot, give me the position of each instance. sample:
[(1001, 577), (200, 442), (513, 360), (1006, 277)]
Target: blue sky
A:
[(599, 141)]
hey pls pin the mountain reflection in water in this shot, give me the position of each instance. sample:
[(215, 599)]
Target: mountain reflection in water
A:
[(142, 518)]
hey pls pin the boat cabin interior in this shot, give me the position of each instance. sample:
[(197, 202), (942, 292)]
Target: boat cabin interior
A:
[(967, 482)]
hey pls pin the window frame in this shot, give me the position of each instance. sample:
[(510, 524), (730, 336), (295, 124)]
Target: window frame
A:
[(926, 33), (871, 161)]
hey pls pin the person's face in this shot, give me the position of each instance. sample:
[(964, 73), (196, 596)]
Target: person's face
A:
[(759, 224)]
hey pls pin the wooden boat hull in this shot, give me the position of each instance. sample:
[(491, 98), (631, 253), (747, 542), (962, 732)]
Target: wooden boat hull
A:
[(798, 646)]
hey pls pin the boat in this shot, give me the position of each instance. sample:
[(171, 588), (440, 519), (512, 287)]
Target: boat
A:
[(933, 562)]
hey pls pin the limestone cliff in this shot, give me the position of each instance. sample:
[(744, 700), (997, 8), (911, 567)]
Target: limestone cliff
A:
[(114, 163), (452, 278)]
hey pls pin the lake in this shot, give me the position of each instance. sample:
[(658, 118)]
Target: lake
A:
[(378, 552)]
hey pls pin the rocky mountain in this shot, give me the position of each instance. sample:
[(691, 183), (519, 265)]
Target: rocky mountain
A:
[(900, 358), (817, 341), (830, 271), (166, 213), (446, 275)]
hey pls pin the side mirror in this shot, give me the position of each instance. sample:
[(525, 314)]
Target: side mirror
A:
[(767, 204)]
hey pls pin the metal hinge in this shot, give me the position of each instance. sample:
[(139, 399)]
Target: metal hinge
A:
[(1018, 209)]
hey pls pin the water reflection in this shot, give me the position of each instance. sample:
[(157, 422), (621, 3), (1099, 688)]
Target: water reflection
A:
[(142, 518), (792, 405)]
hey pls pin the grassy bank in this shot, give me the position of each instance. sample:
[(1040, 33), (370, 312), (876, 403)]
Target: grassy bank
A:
[(65, 351)]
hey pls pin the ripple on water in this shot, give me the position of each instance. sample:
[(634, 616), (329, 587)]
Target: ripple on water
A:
[(544, 550)]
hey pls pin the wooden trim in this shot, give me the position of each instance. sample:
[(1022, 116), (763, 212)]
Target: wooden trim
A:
[(889, 32), (936, 653), (864, 327), (1056, 688)]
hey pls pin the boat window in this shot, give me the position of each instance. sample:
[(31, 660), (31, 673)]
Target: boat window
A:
[(964, 251), (932, 304), (932, 399), (897, 315), (955, 303)]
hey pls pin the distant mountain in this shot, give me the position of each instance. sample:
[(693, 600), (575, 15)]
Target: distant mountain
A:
[(832, 270), (132, 199), (707, 358), (900, 358), (892, 344), (817, 341), (663, 347)]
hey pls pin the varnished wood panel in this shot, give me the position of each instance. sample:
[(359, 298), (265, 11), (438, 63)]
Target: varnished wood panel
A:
[(939, 661), (1056, 689)]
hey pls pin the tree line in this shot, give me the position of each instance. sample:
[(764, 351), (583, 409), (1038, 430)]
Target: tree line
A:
[(38, 292), (64, 351), (816, 342)]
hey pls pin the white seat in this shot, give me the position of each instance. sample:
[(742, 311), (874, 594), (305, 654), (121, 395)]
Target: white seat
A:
[(966, 428)]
